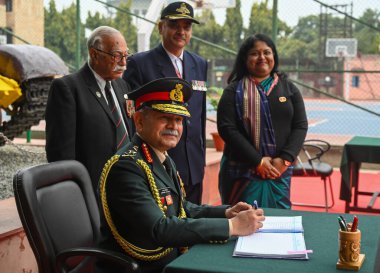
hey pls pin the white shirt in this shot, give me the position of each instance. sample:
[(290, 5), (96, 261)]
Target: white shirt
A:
[(176, 61), (102, 84)]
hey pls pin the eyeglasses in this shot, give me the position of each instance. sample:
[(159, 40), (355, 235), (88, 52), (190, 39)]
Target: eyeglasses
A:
[(117, 56)]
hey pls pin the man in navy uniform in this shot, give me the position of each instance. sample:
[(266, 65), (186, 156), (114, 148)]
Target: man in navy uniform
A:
[(142, 194), (170, 59)]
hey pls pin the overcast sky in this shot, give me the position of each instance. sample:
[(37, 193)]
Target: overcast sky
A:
[(288, 10)]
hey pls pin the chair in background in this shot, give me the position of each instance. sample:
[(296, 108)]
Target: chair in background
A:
[(309, 164), (61, 219)]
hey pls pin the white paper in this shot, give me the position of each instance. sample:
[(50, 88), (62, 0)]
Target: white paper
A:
[(281, 237), (282, 224)]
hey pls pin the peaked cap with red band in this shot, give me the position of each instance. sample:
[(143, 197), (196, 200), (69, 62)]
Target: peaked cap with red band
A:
[(167, 95)]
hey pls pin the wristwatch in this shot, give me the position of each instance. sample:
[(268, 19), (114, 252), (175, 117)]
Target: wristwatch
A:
[(287, 163)]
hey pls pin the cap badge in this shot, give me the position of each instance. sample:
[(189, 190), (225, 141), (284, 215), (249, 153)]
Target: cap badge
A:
[(183, 9), (176, 94)]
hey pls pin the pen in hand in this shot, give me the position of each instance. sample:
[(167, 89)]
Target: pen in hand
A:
[(255, 205)]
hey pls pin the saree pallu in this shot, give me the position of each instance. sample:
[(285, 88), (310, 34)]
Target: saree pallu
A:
[(237, 180)]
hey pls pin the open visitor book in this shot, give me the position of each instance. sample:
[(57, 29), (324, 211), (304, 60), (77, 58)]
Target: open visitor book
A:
[(280, 237)]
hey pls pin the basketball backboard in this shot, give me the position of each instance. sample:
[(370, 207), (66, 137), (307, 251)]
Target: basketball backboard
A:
[(341, 47)]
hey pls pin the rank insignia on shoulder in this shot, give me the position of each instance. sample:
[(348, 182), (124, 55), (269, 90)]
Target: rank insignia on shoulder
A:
[(282, 99), (199, 85), (130, 108), (131, 152)]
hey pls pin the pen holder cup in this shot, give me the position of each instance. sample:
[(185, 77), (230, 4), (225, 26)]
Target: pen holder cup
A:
[(349, 250)]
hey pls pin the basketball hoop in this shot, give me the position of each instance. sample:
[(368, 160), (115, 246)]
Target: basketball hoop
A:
[(341, 48)]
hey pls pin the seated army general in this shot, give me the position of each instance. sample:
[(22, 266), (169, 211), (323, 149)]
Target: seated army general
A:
[(142, 195)]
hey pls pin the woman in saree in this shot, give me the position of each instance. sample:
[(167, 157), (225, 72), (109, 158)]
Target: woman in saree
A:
[(262, 119)]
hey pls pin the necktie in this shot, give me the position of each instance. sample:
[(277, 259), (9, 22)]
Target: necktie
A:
[(122, 134), (168, 167), (177, 68)]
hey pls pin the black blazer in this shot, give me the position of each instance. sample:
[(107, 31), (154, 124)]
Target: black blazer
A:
[(189, 154), (79, 123)]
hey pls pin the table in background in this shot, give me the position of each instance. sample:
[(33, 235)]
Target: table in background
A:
[(321, 235), (356, 151)]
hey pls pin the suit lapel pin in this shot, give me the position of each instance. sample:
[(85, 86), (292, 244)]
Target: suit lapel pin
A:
[(130, 108), (98, 94), (282, 99), (125, 96)]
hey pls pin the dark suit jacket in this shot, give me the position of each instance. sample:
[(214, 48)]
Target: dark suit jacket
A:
[(79, 123), (137, 216), (189, 154)]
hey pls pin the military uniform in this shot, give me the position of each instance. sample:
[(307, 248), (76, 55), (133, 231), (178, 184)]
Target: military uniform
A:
[(143, 202)]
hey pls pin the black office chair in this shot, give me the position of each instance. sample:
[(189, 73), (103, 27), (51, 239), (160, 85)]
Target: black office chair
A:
[(60, 216), (309, 164)]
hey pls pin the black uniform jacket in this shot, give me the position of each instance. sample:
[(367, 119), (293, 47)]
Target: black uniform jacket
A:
[(79, 123), (189, 154), (136, 214)]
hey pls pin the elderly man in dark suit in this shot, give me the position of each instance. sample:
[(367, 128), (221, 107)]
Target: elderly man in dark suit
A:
[(142, 195), (169, 59), (86, 117)]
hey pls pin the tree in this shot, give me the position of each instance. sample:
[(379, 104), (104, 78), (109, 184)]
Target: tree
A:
[(260, 21), (368, 39), (57, 36), (123, 22), (208, 30), (233, 27), (96, 20)]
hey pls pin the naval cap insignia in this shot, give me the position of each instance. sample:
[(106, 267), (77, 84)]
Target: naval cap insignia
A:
[(183, 9)]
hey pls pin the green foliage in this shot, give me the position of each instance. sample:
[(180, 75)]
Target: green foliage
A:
[(155, 37), (209, 30), (60, 32), (123, 22), (233, 27), (213, 96), (368, 39), (261, 19), (302, 42), (97, 20)]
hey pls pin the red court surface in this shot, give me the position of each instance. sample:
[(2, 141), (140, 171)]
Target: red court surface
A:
[(310, 190)]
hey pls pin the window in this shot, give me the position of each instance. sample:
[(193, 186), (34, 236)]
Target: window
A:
[(355, 81), (8, 5)]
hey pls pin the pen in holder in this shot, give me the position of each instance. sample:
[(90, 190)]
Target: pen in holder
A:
[(349, 250)]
